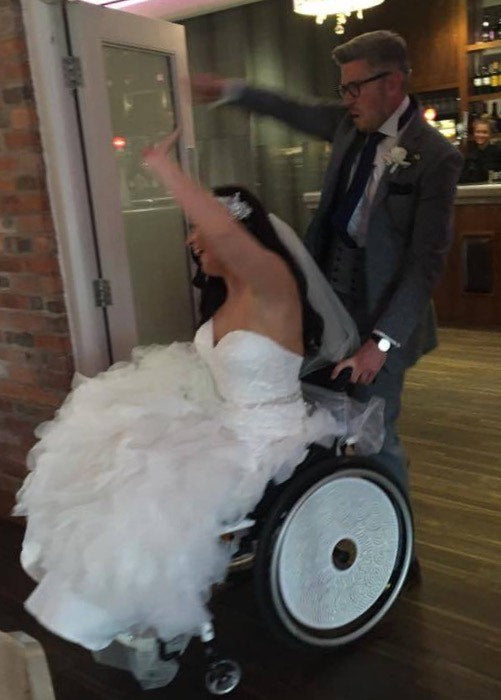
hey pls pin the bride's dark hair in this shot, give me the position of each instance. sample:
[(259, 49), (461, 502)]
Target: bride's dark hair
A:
[(213, 289)]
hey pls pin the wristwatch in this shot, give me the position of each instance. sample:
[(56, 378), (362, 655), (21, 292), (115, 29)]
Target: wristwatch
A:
[(383, 344)]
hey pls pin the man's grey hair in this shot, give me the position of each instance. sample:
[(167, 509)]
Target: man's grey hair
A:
[(382, 49)]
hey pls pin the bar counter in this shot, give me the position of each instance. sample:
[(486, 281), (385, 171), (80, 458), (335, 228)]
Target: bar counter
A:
[(469, 293)]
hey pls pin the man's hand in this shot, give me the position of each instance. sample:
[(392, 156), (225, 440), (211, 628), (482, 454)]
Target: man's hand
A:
[(207, 87), (365, 363)]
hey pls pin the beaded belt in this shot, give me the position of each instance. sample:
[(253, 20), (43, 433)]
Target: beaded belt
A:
[(291, 398)]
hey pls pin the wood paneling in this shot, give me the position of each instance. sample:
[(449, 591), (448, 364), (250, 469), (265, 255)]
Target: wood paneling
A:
[(454, 305), (433, 31), (442, 640)]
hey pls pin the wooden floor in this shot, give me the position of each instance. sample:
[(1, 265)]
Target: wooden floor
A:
[(442, 639)]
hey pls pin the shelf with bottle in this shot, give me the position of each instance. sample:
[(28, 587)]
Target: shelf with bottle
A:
[(484, 73), (482, 45), (484, 22)]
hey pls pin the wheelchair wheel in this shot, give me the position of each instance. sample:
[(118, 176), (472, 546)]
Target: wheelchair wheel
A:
[(333, 554)]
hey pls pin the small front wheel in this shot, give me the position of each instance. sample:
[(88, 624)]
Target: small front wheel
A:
[(223, 676)]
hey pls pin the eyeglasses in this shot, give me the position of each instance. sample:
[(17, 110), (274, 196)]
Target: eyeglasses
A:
[(354, 88)]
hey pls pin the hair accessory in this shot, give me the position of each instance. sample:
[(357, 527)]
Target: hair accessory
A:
[(238, 209)]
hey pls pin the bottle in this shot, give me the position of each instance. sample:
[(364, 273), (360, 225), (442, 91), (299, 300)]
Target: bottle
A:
[(492, 77), (492, 29), (486, 29), (486, 79), (495, 76), (477, 77), (495, 118)]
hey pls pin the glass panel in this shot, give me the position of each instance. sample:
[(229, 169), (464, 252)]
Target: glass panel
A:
[(286, 173), (142, 112), (477, 263)]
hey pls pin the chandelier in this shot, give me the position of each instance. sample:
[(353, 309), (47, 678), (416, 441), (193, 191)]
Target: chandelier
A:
[(341, 8)]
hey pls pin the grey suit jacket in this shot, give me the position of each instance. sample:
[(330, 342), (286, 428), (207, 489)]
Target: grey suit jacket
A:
[(411, 219)]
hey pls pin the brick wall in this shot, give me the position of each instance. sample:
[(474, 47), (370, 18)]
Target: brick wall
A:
[(35, 350)]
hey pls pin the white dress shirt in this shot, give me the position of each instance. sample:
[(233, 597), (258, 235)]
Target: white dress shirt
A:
[(357, 225)]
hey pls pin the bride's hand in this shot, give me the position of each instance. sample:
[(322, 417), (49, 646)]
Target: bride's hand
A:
[(154, 159)]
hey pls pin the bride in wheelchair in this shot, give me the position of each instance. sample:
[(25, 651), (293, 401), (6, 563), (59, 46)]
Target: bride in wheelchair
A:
[(146, 465)]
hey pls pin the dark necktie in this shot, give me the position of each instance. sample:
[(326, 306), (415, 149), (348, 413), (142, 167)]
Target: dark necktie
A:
[(349, 202)]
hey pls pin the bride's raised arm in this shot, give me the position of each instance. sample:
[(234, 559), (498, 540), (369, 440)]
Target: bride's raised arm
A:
[(235, 248)]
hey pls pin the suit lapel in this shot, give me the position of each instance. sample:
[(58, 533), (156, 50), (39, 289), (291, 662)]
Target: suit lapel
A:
[(332, 175), (409, 140), (317, 238)]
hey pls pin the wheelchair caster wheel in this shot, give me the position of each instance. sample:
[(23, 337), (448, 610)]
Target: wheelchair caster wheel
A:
[(222, 677)]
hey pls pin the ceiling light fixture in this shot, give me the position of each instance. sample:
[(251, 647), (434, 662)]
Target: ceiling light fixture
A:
[(342, 9), (116, 4)]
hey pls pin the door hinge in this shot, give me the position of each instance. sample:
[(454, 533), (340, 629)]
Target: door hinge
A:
[(102, 293), (72, 69)]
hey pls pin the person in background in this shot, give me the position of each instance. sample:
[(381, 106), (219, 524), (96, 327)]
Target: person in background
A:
[(481, 155)]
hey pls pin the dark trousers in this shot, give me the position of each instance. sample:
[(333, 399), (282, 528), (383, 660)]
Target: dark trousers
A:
[(388, 386), (392, 456)]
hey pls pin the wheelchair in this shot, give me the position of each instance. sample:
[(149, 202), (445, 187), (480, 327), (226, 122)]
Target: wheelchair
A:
[(329, 551)]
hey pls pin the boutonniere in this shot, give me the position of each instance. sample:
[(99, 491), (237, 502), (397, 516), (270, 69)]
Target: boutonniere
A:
[(397, 157)]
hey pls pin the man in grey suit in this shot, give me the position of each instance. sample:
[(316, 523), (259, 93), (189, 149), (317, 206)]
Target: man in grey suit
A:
[(384, 223)]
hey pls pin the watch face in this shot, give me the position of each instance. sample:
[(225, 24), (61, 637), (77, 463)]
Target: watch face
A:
[(384, 345)]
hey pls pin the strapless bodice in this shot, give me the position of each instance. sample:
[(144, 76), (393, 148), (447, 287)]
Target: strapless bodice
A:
[(250, 368)]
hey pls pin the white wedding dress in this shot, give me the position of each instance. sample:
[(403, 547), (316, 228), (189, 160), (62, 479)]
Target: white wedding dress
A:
[(143, 466)]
